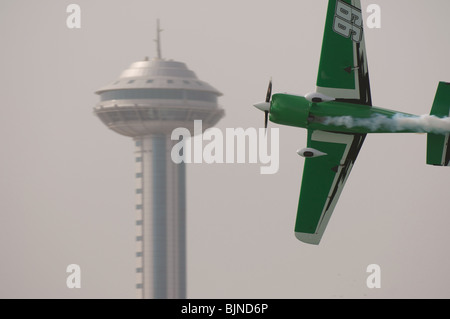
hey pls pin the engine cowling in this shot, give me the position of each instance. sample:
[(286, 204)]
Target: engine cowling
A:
[(287, 109), (310, 153)]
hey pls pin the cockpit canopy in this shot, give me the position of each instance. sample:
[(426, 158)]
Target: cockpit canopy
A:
[(316, 97)]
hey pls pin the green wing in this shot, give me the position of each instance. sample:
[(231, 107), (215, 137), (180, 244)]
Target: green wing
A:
[(323, 180), (343, 71), (343, 75)]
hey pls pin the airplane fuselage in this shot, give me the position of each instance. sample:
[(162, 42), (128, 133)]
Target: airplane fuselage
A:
[(335, 116)]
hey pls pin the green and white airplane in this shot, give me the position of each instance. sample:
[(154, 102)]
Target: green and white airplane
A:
[(338, 117)]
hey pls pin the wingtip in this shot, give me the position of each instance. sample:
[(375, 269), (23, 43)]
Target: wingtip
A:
[(313, 239)]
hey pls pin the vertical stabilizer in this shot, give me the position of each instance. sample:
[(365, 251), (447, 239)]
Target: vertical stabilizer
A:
[(438, 150)]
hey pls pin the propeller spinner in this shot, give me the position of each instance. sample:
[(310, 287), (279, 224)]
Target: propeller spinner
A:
[(265, 106)]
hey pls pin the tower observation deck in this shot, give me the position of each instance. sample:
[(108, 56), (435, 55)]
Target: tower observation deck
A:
[(147, 102)]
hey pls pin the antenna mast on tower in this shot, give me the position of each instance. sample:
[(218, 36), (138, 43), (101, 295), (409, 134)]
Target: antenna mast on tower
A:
[(158, 39)]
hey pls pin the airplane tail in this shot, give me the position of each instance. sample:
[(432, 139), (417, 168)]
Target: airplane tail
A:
[(438, 150)]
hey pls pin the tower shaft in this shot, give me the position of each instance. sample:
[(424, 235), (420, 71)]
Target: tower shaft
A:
[(160, 220)]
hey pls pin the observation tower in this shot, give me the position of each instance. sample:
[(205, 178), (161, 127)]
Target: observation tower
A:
[(147, 102)]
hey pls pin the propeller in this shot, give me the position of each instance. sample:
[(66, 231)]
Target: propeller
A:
[(268, 97), (265, 106)]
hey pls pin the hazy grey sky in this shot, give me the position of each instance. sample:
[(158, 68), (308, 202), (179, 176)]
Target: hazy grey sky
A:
[(67, 182)]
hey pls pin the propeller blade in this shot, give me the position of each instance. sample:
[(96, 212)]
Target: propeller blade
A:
[(269, 91), (266, 119)]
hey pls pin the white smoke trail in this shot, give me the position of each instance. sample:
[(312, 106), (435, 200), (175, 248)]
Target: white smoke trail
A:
[(399, 122)]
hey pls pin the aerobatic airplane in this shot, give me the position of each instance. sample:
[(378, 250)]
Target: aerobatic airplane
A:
[(339, 115)]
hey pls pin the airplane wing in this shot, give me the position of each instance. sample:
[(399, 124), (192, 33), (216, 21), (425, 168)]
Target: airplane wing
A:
[(323, 180), (343, 72)]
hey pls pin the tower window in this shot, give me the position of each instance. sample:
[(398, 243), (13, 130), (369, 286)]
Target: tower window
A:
[(164, 94)]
